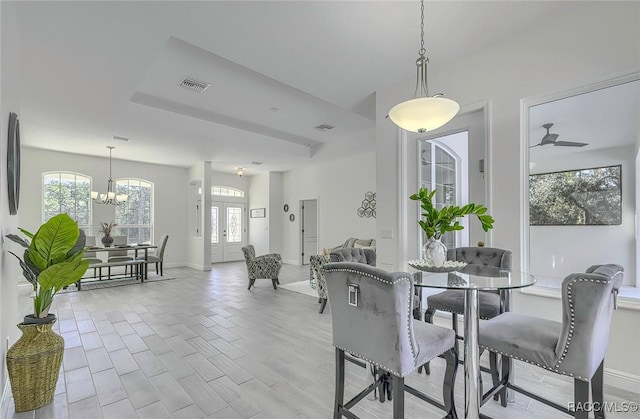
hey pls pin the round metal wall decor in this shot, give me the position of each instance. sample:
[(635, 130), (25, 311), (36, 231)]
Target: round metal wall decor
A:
[(286, 208), (13, 163), (292, 217)]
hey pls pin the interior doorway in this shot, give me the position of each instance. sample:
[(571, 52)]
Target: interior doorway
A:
[(228, 231), (308, 229)]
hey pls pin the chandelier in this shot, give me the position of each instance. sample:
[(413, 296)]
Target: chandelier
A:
[(109, 198), (423, 113)]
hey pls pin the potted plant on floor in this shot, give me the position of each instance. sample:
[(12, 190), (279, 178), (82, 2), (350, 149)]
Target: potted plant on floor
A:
[(436, 222), (52, 260)]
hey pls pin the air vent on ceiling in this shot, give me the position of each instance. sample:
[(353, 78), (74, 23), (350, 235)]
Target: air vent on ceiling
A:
[(194, 85), (324, 127), (125, 139), (257, 163)]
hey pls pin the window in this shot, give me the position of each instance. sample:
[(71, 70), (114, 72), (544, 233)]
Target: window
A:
[(438, 171), (226, 191), (134, 218), (214, 225), (66, 192)]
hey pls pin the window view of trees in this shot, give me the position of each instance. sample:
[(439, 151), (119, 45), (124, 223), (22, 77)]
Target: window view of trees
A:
[(134, 218), (65, 192), (576, 197)]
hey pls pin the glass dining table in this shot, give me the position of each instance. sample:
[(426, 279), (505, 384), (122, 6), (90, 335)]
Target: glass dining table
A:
[(471, 279)]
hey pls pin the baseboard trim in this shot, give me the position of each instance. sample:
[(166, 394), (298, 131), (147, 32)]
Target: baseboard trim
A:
[(4, 402), (622, 380), (291, 262), (196, 266)]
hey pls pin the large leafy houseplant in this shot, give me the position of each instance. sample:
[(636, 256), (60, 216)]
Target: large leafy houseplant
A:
[(52, 259), (436, 222)]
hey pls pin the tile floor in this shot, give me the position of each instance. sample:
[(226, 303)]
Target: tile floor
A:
[(202, 346)]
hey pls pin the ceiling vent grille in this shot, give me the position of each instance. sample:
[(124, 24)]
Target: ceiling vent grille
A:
[(125, 139), (257, 163), (323, 127), (194, 85)]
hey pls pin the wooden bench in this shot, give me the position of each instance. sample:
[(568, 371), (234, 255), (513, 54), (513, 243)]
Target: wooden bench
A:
[(136, 269)]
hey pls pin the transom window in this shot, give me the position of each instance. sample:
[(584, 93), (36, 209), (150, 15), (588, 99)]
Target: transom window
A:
[(226, 191), (134, 218), (67, 192)]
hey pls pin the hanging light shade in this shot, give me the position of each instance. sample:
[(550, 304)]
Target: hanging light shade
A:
[(110, 197), (423, 113)]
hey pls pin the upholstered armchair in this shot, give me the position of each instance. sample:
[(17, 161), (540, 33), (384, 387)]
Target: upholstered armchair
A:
[(574, 347), (265, 266), (317, 280)]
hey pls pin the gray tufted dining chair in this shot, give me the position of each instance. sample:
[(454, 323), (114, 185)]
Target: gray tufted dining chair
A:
[(371, 313), (490, 303), (575, 347)]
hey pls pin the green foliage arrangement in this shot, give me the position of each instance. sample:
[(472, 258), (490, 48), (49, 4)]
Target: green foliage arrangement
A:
[(436, 223), (105, 228), (52, 259)]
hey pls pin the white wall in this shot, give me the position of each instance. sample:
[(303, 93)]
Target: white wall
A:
[(199, 247), (276, 221), (557, 250), (339, 186), (560, 53), (10, 315), (170, 193), (259, 227)]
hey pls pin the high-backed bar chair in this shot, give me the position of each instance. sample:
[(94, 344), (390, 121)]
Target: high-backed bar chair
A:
[(575, 347), (491, 303), (371, 313)]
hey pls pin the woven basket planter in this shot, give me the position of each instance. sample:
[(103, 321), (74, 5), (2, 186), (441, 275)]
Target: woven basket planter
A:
[(34, 365)]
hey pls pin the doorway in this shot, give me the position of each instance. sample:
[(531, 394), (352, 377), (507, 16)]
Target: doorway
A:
[(228, 231), (309, 228)]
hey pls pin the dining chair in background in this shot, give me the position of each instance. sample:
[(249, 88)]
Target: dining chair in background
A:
[(575, 347), (490, 303), (92, 257), (371, 312), (119, 255), (158, 256)]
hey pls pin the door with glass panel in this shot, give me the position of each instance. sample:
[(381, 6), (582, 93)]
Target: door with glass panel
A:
[(228, 231)]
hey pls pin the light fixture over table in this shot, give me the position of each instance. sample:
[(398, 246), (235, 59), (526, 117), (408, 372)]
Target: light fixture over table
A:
[(109, 198), (423, 113)]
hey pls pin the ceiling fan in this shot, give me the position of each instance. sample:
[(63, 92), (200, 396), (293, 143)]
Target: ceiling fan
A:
[(553, 139)]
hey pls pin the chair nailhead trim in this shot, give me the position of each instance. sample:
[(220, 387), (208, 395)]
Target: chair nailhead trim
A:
[(409, 319)]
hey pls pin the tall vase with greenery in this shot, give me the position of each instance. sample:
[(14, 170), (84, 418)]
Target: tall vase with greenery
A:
[(51, 261), (436, 222)]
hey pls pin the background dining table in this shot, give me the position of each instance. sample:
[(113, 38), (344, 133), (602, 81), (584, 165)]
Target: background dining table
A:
[(135, 247)]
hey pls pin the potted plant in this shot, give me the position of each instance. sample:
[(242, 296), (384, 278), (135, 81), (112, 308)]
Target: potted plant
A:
[(436, 222), (105, 228), (51, 261)]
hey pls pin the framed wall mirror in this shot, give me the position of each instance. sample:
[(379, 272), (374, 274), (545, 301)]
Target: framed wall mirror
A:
[(581, 165)]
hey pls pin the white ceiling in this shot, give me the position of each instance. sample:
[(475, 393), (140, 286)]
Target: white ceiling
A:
[(91, 70)]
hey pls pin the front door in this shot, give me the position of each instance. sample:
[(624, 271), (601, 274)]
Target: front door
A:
[(228, 231)]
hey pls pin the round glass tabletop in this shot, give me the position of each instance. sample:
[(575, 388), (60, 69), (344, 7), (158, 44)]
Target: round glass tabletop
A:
[(477, 277)]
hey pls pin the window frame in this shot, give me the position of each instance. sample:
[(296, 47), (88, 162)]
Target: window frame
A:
[(151, 225), (86, 227)]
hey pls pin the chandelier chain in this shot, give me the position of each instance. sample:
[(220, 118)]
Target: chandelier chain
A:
[(422, 51)]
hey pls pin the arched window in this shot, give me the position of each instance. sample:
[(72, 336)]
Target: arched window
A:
[(134, 218), (226, 191), (67, 192)]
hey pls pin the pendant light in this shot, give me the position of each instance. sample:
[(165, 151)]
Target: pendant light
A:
[(423, 113), (110, 197)]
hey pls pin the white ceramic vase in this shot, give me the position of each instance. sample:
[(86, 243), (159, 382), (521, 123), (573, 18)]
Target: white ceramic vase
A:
[(434, 252)]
